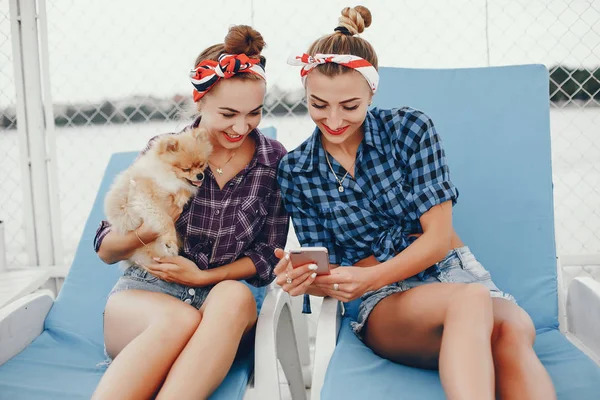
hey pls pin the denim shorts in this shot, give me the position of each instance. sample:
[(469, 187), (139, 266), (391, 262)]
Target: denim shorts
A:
[(137, 278), (459, 266)]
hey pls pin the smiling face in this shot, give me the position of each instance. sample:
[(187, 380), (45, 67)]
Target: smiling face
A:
[(231, 110), (338, 104)]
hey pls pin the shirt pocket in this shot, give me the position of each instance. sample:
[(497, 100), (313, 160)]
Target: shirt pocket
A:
[(251, 215)]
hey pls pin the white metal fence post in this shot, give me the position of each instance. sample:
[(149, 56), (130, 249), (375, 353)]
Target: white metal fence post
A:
[(32, 129), (51, 157), (3, 263), (25, 176)]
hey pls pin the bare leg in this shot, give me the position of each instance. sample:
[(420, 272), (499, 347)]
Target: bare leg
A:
[(144, 332), (229, 312), (446, 325), (519, 372), (407, 329), (465, 364)]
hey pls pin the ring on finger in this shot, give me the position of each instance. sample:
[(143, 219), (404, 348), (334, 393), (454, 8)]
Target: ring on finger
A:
[(288, 280), (336, 286)]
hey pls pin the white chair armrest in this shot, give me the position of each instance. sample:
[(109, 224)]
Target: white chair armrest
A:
[(276, 339), (302, 338), (583, 315), (22, 321), (328, 327)]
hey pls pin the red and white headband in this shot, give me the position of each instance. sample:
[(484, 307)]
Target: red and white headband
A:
[(209, 72), (359, 64)]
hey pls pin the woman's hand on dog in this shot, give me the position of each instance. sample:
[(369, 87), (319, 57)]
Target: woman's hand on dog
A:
[(147, 235), (176, 269)]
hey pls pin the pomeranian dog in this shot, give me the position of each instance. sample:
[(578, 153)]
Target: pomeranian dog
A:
[(168, 173)]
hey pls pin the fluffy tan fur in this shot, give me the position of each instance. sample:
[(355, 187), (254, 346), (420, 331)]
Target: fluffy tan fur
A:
[(168, 174)]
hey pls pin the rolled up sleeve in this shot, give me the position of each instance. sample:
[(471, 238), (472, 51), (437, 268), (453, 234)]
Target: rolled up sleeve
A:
[(101, 233), (427, 165)]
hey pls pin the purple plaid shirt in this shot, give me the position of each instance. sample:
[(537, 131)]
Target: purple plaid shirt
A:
[(244, 219)]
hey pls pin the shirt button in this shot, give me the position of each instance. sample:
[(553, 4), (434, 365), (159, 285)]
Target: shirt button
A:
[(217, 212), (188, 301), (191, 292)]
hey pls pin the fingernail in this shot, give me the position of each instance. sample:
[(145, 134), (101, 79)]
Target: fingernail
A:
[(156, 258), (313, 275), (313, 267)]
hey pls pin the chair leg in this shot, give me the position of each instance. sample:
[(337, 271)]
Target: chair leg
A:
[(328, 327), (288, 355), (303, 339)]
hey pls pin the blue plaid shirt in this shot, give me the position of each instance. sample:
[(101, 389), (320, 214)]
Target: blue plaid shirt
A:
[(400, 173)]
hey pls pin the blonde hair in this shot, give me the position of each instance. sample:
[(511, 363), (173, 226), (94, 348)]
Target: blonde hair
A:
[(343, 41)]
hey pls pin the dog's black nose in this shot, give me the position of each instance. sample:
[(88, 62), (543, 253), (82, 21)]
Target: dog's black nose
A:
[(200, 176)]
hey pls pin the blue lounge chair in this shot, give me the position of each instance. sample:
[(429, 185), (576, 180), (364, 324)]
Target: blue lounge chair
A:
[(494, 123), (49, 349)]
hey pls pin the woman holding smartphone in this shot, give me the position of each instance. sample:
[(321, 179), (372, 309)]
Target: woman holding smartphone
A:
[(373, 187)]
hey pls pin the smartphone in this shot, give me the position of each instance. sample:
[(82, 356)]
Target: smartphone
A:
[(315, 255)]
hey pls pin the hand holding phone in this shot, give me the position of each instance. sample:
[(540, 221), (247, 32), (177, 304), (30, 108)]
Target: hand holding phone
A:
[(311, 255)]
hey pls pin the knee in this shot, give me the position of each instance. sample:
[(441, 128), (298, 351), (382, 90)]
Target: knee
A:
[(476, 292), (474, 300), (178, 322), (513, 335), (473, 295), (234, 298)]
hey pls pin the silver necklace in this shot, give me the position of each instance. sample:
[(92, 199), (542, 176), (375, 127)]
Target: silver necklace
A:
[(220, 169), (341, 187)]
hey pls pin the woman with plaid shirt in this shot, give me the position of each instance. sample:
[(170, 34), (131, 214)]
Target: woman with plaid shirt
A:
[(174, 327), (373, 187)]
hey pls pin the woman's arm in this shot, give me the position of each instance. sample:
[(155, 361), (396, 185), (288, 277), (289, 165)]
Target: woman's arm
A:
[(181, 270), (433, 196), (242, 268), (114, 247), (429, 248)]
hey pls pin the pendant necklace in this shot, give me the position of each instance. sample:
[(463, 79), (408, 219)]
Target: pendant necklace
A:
[(340, 181), (220, 169)]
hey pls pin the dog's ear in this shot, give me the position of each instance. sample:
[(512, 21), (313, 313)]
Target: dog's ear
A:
[(169, 144)]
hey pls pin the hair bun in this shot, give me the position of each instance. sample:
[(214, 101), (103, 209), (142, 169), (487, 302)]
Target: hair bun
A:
[(243, 39), (356, 19)]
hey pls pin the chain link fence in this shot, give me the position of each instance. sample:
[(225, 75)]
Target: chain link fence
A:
[(118, 75), (11, 190)]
